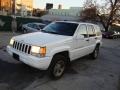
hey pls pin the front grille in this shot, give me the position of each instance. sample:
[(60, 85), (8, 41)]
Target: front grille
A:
[(22, 47)]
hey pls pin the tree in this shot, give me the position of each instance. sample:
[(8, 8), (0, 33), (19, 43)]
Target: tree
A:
[(39, 12), (114, 6), (106, 13), (89, 3), (89, 13)]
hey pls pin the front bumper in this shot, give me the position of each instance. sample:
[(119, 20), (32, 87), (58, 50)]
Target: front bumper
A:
[(36, 62)]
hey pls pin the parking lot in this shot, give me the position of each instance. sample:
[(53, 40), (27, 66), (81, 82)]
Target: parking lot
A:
[(83, 74)]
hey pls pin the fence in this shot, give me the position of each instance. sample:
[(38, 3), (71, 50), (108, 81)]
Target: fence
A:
[(5, 22)]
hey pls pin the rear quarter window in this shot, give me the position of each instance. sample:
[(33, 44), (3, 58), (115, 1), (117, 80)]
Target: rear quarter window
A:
[(97, 30), (91, 31)]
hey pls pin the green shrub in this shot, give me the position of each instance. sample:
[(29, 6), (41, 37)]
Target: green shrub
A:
[(7, 23)]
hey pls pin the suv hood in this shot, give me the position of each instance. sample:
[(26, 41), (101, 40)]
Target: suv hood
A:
[(40, 38)]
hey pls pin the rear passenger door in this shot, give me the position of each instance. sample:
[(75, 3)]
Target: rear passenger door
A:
[(92, 37), (81, 44)]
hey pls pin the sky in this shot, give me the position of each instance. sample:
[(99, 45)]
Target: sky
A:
[(65, 3)]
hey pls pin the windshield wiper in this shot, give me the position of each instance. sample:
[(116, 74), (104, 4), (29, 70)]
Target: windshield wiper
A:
[(49, 32)]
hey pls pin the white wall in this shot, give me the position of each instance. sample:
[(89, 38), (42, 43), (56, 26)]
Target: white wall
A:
[(73, 11), (72, 14)]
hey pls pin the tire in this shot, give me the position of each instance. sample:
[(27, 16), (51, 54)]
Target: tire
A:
[(114, 37), (95, 53), (57, 67)]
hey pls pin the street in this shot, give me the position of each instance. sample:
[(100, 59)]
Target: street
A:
[(84, 74)]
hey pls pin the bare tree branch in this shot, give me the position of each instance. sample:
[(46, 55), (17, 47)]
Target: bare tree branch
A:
[(106, 13)]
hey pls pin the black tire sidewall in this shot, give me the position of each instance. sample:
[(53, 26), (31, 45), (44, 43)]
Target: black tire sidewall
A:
[(94, 52), (55, 59), (96, 49)]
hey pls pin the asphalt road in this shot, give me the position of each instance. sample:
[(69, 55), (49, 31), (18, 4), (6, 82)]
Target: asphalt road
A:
[(84, 73)]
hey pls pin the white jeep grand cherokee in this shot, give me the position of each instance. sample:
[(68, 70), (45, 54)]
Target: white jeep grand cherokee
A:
[(56, 45)]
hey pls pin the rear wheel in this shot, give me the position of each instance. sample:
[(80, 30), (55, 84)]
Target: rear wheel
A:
[(114, 37), (95, 53), (57, 67)]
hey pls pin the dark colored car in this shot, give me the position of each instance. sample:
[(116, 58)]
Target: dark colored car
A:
[(111, 34)]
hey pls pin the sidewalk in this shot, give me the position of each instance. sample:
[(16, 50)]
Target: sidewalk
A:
[(5, 38)]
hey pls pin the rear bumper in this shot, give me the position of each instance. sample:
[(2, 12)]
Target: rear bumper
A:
[(36, 62)]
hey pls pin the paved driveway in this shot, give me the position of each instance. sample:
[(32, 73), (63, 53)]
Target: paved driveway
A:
[(84, 74)]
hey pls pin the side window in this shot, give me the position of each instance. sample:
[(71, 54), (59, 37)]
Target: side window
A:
[(41, 26), (83, 30), (30, 25), (91, 31), (97, 31), (35, 26)]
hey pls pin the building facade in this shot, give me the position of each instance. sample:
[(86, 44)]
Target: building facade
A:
[(24, 7), (6, 6), (18, 7), (72, 14)]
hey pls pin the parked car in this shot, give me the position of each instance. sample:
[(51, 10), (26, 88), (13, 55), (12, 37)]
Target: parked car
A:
[(56, 46), (32, 27), (111, 34)]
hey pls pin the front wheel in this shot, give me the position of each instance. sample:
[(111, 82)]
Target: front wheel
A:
[(57, 67), (95, 53)]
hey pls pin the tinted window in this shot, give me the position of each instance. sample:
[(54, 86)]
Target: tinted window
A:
[(91, 31), (61, 28), (29, 25), (83, 30), (35, 26), (32, 25)]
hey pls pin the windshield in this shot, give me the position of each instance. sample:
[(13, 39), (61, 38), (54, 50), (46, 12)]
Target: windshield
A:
[(61, 28)]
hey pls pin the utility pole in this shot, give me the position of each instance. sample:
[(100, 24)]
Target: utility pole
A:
[(10, 6), (13, 6), (0, 5)]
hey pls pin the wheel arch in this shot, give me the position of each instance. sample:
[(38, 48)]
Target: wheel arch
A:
[(63, 53), (98, 44)]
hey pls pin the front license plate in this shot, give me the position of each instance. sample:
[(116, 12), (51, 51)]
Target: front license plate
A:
[(15, 56)]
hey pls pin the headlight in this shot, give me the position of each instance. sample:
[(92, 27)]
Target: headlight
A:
[(12, 41), (38, 51), (35, 49)]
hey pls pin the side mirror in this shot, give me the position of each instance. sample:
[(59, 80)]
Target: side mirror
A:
[(80, 37)]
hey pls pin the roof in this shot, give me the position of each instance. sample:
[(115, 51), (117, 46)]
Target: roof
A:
[(77, 22), (36, 23)]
